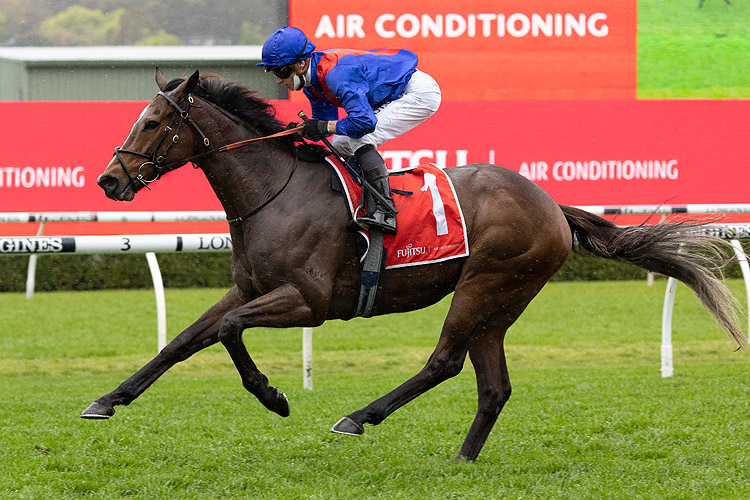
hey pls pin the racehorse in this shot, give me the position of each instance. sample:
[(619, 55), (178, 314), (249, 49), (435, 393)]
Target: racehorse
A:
[(295, 264)]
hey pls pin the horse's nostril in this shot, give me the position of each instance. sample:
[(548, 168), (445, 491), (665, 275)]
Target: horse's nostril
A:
[(107, 182)]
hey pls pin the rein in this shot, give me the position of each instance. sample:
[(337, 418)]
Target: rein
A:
[(235, 145), (156, 161), (239, 220)]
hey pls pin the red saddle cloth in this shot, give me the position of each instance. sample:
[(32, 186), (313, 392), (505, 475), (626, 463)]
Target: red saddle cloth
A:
[(431, 226)]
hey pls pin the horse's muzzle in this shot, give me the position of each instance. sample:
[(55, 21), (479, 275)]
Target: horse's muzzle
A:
[(110, 184)]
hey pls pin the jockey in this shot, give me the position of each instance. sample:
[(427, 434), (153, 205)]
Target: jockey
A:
[(382, 91)]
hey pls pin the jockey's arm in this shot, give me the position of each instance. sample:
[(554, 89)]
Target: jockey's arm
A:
[(350, 86), (321, 108)]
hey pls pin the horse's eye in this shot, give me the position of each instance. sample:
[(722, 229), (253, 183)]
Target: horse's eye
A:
[(151, 125)]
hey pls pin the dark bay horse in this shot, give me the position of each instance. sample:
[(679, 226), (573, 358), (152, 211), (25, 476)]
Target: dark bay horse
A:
[(294, 263)]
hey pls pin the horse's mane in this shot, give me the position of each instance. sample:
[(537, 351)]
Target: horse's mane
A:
[(249, 107)]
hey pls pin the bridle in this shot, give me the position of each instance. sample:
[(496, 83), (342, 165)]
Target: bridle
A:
[(156, 161)]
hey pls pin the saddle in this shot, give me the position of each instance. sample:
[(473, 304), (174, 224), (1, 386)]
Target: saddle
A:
[(431, 224)]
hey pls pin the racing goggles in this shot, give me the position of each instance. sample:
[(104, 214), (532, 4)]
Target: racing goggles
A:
[(282, 72), (286, 70)]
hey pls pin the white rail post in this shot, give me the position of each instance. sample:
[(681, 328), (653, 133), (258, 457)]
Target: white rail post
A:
[(31, 271), (307, 368), (742, 259), (667, 369), (161, 307)]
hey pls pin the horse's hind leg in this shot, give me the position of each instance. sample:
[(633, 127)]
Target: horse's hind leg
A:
[(493, 388), (446, 361), (480, 313), (203, 333)]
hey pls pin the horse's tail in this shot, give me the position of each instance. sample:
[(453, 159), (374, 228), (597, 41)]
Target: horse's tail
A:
[(672, 249)]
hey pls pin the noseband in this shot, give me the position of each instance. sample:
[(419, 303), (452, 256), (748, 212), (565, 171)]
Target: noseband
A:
[(156, 160)]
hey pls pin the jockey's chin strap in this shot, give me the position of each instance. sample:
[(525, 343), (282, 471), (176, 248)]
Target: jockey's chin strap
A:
[(156, 160)]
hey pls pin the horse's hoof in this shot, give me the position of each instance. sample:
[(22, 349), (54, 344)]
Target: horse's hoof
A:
[(98, 411), (348, 427), (278, 403), (282, 405)]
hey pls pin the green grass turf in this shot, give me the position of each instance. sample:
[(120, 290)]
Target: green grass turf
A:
[(687, 52), (590, 416)]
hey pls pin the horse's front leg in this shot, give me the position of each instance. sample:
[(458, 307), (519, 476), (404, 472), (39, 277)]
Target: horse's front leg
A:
[(203, 333), (283, 307)]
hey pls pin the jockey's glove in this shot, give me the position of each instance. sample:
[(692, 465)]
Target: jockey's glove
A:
[(315, 129)]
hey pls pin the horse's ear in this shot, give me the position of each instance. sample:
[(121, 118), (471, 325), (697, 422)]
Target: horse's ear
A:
[(160, 81), (192, 82), (186, 87)]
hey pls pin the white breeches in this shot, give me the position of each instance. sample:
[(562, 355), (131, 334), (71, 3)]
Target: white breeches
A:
[(420, 101)]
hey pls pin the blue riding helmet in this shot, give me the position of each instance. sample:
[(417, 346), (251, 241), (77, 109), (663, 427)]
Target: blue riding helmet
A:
[(287, 45)]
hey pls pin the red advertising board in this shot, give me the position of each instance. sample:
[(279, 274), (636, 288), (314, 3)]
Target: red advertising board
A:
[(597, 152), (52, 152), (583, 152), (492, 49)]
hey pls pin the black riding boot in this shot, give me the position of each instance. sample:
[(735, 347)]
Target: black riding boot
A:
[(375, 173)]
